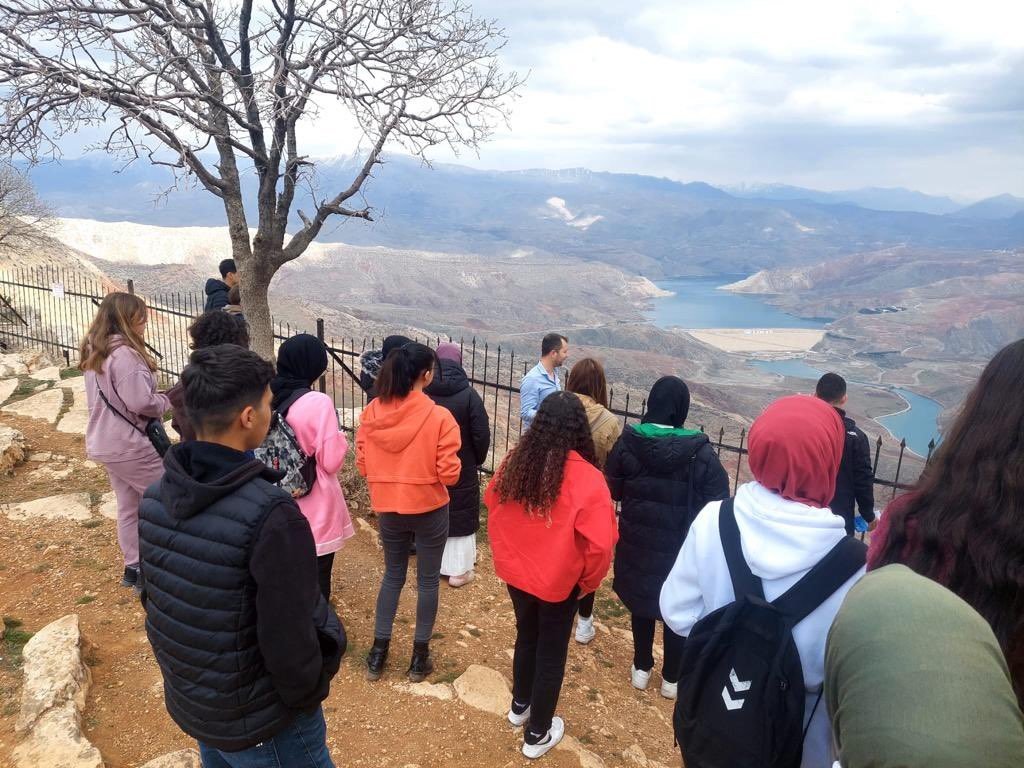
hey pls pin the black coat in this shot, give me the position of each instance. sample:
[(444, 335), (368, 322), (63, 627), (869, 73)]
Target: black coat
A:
[(855, 483), (662, 482), (216, 294), (242, 635), (453, 390)]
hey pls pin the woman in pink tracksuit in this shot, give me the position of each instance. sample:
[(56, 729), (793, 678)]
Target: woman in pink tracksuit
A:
[(302, 360), (118, 366)]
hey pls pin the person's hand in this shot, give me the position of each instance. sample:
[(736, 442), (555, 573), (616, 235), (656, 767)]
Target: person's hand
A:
[(872, 525)]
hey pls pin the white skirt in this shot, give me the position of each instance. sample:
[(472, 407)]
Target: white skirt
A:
[(459, 555)]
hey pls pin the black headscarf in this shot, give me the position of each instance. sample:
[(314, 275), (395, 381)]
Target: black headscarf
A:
[(668, 403), (393, 342), (301, 360)]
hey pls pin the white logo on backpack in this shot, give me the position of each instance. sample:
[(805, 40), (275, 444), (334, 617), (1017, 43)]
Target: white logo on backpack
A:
[(738, 686)]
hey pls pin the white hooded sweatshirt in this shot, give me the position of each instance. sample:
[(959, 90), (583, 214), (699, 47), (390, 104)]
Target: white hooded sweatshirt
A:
[(781, 540)]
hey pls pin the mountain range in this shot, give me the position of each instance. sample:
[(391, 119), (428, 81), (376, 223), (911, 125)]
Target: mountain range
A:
[(650, 226)]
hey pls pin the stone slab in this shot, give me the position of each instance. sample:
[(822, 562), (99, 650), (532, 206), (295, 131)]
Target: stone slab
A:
[(57, 741), (183, 758), (52, 373), (7, 387), (45, 405), (76, 419), (54, 671), (67, 506), (12, 449), (484, 688), (108, 505)]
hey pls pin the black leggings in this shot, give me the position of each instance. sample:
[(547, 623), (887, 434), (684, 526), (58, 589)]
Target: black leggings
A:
[(643, 648), (587, 605), (324, 566)]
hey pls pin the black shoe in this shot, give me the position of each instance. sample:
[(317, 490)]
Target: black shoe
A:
[(376, 659), (422, 663), (131, 577)]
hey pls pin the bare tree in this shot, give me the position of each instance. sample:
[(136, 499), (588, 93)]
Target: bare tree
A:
[(23, 215), (213, 87)]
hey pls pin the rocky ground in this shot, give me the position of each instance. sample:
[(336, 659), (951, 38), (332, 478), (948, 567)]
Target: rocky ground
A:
[(87, 688)]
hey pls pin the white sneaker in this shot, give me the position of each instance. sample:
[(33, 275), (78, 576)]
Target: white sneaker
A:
[(518, 720), (545, 745), (669, 690), (639, 678), (585, 631)]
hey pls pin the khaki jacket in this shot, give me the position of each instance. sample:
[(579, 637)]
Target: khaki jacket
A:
[(605, 427)]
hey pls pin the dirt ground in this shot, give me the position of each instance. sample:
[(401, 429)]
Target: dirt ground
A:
[(50, 570)]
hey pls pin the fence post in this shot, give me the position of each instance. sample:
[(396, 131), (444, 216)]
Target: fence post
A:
[(739, 460), (320, 335), (899, 466), (131, 287)]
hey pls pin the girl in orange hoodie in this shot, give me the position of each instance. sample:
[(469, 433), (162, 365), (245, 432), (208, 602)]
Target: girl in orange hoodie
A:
[(552, 530), (407, 449)]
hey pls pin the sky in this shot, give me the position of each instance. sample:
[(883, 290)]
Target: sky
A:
[(927, 94)]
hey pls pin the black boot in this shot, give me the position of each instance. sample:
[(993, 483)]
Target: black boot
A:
[(422, 664), (376, 658)]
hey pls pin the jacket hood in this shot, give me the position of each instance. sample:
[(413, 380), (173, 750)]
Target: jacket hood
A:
[(782, 537), (213, 285), (394, 425), (453, 379), (197, 474), (665, 453)]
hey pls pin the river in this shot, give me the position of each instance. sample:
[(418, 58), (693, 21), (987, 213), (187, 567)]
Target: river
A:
[(697, 303)]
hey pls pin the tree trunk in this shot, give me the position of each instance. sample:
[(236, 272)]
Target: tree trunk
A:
[(255, 274)]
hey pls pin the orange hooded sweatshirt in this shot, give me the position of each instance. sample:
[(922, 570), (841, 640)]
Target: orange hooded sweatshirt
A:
[(407, 449)]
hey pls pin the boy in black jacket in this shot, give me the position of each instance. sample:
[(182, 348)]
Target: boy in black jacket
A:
[(855, 482), (246, 643)]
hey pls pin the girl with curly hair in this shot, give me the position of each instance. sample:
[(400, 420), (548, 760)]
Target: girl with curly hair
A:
[(962, 523), (552, 529)]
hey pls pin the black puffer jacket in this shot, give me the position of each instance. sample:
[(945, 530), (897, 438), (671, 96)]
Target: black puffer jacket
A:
[(241, 633), (216, 294), (662, 482), (453, 391)]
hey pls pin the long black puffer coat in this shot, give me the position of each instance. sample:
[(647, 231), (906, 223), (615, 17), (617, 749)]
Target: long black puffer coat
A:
[(662, 482), (452, 390)]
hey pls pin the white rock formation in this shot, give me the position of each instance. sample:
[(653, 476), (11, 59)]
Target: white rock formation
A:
[(183, 758), (46, 405), (12, 449), (7, 387), (67, 506), (484, 688)]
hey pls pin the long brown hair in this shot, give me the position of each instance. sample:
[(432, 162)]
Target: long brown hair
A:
[(532, 472), (116, 316), (587, 378), (963, 523)]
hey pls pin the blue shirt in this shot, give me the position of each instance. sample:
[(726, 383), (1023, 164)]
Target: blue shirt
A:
[(536, 385)]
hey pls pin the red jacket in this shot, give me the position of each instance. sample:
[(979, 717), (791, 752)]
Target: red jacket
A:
[(575, 548)]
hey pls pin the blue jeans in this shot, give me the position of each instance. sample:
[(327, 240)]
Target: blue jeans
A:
[(302, 744)]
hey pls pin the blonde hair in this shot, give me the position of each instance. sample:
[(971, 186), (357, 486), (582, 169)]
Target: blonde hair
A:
[(117, 315)]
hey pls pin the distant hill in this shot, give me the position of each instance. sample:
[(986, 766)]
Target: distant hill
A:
[(875, 198), (651, 226), (999, 207)]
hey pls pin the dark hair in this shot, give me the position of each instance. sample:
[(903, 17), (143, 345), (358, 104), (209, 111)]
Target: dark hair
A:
[(587, 378), (235, 294), (963, 523), (551, 342), (831, 388), (227, 267), (218, 327), (403, 366), (220, 382), (532, 472)]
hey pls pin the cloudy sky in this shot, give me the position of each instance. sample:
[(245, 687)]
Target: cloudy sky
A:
[(927, 94)]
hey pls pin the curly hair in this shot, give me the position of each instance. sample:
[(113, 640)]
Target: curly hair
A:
[(963, 523), (532, 472), (218, 327)]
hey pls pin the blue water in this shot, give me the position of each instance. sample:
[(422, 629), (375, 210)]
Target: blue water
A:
[(698, 303), (917, 426)]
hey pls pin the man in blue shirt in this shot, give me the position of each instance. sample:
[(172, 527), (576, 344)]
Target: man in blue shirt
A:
[(542, 380)]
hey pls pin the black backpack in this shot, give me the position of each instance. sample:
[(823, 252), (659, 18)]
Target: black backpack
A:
[(741, 694)]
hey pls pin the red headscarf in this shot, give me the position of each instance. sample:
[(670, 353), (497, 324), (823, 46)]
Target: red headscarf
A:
[(795, 449)]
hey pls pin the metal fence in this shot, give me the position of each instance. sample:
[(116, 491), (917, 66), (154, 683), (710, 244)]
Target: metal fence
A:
[(51, 308)]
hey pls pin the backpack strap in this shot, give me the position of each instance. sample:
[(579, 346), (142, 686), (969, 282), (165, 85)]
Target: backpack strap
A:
[(818, 584), (744, 582)]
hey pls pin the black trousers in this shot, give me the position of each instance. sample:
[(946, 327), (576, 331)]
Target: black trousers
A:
[(587, 605), (324, 566), (643, 648), (542, 645)]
